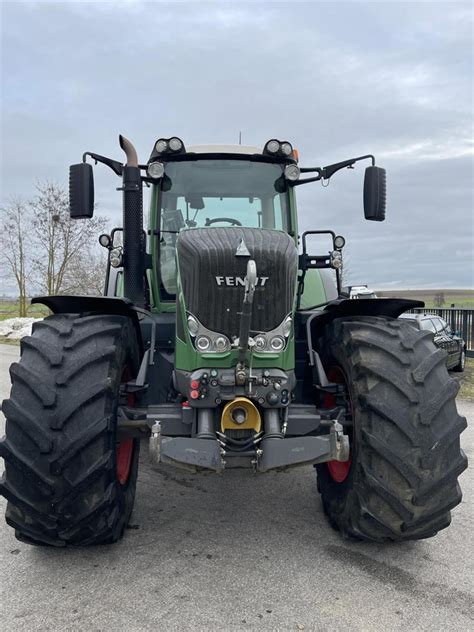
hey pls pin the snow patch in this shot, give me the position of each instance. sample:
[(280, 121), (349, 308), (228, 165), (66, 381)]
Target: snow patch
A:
[(16, 328)]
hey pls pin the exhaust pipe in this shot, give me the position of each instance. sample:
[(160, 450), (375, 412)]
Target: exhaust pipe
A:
[(133, 237)]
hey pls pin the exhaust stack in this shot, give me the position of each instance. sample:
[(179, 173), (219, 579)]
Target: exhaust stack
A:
[(133, 237)]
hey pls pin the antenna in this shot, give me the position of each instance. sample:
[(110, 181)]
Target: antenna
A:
[(240, 138)]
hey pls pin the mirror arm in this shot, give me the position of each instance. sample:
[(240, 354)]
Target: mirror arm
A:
[(115, 165), (324, 173)]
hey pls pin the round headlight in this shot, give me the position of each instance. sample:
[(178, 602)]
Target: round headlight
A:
[(203, 343), (221, 344), (286, 149), (161, 146), (105, 240), (277, 343), (287, 326), (115, 257), (339, 241), (193, 325), (155, 170), (175, 144), (292, 172), (273, 146), (260, 343)]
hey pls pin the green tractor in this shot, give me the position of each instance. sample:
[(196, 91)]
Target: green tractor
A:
[(225, 347)]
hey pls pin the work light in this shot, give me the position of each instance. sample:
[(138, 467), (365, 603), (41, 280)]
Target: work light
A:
[(155, 170), (292, 172), (161, 146), (175, 144)]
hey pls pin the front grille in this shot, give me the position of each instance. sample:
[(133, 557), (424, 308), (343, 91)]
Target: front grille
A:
[(211, 276)]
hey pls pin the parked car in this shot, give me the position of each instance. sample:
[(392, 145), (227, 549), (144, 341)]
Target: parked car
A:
[(444, 337), (358, 291)]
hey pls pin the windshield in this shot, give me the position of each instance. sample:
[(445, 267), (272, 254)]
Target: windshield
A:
[(206, 193)]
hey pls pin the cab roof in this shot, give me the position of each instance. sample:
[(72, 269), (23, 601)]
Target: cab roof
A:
[(223, 149)]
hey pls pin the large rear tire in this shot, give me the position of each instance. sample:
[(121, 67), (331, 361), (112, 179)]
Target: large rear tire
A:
[(68, 480), (405, 451)]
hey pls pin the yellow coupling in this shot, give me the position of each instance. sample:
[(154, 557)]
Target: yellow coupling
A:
[(240, 414)]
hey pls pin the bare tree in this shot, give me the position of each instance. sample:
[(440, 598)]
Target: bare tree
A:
[(62, 244), (85, 273), (15, 218)]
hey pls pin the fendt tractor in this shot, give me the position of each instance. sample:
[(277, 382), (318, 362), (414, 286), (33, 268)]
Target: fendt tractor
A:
[(226, 343)]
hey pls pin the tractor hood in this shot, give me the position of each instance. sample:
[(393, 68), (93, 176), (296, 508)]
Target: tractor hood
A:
[(212, 267)]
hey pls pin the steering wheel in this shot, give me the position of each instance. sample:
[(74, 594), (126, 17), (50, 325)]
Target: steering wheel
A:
[(231, 220)]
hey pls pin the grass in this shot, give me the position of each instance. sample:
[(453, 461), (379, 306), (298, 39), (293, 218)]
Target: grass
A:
[(458, 298), (466, 380)]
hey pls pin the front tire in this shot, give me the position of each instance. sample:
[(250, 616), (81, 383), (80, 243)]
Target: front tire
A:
[(405, 449), (68, 480)]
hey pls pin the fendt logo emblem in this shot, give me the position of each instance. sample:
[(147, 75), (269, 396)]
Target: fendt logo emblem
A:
[(235, 281)]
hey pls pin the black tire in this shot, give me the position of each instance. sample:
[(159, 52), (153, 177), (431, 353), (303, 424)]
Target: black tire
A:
[(60, 452), (405, 447), (459, 368)]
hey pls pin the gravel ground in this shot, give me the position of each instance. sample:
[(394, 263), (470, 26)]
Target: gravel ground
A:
[(239, 552)]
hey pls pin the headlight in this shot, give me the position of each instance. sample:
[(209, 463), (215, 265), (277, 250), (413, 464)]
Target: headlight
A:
[(203, 343), (287, 327), (221, 344), (260, 343), (277, 343), (155, 170), (193, 325), (115, 257)]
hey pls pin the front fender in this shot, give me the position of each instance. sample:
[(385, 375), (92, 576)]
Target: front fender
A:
[(390, 307), (64, 304)]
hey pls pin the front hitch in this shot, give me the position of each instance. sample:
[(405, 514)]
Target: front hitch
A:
[(245, 321)]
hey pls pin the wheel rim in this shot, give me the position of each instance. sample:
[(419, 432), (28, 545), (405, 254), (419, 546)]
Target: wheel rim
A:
[(338, 470), (124, 450), (124, 460)]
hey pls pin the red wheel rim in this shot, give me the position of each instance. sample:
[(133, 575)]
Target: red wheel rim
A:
[(338, 470), (124, 460), (124, 450)]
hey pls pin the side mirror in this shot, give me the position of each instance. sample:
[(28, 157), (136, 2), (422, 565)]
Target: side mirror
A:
[(375, 193), (81, 191)]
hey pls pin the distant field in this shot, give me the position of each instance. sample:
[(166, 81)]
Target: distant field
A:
[(460, 298), (9, 309)]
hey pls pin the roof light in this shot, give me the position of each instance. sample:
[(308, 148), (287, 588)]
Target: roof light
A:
[(161, 146), (339, 242), (273, 146), (286, 149), (175, 144)]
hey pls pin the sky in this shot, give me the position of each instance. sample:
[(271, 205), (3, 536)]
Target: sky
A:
[(338, 79)]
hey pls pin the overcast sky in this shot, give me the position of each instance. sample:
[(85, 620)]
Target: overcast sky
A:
[(337, 79)]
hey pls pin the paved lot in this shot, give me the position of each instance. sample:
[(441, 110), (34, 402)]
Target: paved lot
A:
[(239, 552)]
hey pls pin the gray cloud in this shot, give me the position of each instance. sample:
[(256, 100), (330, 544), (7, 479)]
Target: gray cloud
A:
[(338, 79)]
